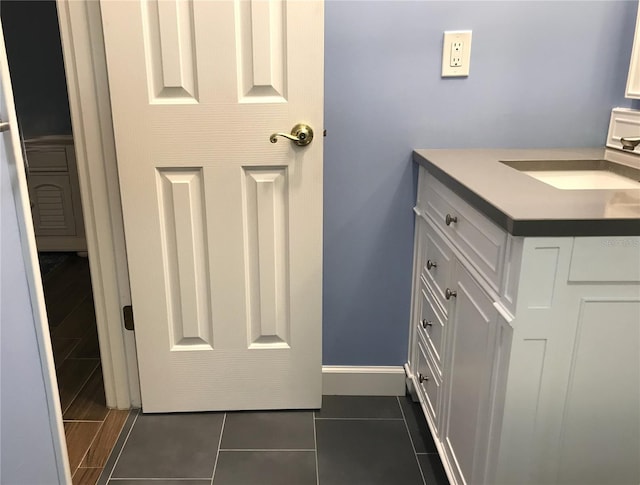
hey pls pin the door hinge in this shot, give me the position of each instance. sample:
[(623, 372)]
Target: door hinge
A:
[(127, 313)]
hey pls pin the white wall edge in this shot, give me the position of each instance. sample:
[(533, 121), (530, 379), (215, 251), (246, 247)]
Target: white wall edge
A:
[(339, 380), (34, 279)]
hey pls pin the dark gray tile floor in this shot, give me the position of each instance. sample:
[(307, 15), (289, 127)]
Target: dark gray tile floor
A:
[(352, 440)]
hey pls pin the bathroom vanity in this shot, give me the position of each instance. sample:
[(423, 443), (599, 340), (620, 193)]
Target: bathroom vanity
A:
[(54, 193), (525, 327)]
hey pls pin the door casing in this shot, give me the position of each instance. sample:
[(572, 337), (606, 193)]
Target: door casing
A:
[(89, 103)]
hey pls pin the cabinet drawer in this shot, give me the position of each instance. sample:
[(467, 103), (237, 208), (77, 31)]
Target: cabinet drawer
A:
[(51, 159), (431, 326), (429, 384), (437, 264), (479, 239)]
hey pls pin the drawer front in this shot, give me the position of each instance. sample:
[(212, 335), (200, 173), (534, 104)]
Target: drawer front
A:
[(479, 239), (431, 326), (429, 384), (52, 159), (437, 264)]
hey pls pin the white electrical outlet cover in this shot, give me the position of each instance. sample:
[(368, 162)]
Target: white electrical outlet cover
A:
[(456, 53)]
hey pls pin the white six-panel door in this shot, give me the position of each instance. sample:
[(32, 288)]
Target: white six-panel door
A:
[(223, 228)]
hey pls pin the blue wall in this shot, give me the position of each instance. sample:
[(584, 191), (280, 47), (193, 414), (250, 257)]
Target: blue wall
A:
[(26, 441), (543, 74), (34, 52)]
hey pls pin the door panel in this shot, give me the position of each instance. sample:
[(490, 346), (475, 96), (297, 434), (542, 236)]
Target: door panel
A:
[(223, 228), (609, 329), (472, 344)]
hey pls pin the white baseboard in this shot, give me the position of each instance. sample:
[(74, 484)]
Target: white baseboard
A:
[(344, 380)]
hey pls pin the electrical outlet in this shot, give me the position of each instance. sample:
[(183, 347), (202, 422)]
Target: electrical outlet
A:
[(456, 53)]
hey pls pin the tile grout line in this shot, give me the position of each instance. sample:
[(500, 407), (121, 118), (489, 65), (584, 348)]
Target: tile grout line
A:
[(84, 420), (288, 450), (93, 441), (124, 443), (84, 383), (215, 463), (358, 419), (315, 444), (66, 357), (56, 327), (413, 447), (156, 479)]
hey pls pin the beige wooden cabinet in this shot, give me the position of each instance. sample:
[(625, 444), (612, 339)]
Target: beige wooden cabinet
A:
[(54, 191), (524, 351)]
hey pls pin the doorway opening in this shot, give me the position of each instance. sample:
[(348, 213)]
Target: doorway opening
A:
[(34, 53)]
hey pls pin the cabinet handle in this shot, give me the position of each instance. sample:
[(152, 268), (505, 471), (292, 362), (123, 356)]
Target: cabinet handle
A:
[(422, 378), (450, 293), (426, 323), (431, 264), (449, 219)]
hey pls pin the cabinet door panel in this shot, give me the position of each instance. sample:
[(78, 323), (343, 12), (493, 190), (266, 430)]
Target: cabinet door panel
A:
[(52, 202), (601, 442), (471, 348)]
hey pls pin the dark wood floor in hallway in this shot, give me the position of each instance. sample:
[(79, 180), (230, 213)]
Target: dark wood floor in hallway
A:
[(90, 427)]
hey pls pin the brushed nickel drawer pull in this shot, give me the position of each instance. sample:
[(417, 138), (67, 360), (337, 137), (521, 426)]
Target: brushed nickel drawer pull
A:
[(449, 219), (426, 323), (431, 264), (450, 293), (422, 378)]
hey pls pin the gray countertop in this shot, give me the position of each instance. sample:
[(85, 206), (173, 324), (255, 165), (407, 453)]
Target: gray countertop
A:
[(525, 206)]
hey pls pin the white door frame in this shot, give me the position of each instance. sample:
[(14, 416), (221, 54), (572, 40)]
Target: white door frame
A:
[(89, 103)]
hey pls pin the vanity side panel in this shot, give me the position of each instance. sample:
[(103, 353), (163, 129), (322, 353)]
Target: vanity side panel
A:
[(600, 443), (416, 294), (572, 404), (535, 377), (511, 278)]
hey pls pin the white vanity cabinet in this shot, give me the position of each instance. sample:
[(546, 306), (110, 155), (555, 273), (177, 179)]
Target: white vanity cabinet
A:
[(54, 191), (524, 351)]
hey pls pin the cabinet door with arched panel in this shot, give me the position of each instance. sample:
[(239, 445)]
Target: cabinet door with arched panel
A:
[(52, 205)]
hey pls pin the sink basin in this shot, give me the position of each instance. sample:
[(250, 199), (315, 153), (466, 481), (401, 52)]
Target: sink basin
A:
[(580, 174)]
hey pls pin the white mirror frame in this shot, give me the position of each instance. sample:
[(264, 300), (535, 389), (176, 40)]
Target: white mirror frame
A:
[(633, 81)]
